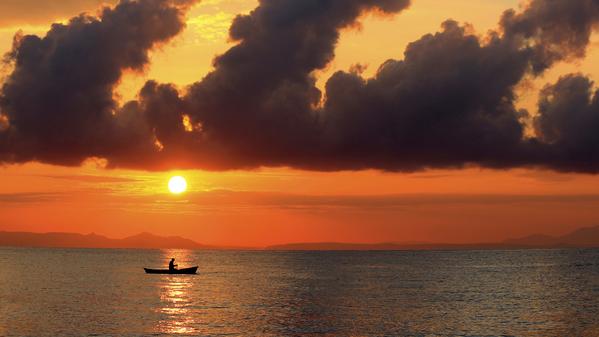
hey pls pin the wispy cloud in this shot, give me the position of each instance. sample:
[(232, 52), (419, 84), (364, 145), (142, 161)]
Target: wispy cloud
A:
[(29, 198), (211, 27), (227, 199), (93, 178)]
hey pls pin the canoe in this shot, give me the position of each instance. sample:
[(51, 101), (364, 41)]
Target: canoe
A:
[(191, 270)]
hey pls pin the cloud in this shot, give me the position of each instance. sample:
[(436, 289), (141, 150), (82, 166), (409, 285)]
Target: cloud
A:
[(553, 30), (59, 98), (257, 107), (211, 27), (93, 178), (28, 198), (568, 121), (448, 103), (219, 199)]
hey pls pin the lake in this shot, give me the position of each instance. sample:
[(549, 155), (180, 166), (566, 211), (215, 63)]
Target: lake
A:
[(104, 292)]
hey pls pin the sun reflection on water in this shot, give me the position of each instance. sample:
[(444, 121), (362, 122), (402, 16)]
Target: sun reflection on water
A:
[(176, 298)]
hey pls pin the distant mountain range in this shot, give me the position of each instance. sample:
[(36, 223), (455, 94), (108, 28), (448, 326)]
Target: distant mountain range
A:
[(580, 238), (72, 240)]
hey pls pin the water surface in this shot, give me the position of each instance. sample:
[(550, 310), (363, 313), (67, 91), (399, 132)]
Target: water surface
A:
[(97, 292)]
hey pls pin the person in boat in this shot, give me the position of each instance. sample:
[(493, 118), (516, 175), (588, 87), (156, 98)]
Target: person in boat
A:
[(171, 265)]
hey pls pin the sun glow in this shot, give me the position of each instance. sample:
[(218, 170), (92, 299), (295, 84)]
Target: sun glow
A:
[(177, 185)]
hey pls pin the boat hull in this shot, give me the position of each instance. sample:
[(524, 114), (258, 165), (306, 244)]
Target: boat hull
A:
[(183, 271)]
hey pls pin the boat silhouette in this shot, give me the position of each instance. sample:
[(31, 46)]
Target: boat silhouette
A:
[(191, 270)]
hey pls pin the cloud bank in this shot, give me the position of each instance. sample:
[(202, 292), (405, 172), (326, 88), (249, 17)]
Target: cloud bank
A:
[(448, 103)]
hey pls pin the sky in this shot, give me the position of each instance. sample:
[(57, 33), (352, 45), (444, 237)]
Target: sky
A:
[(347, 121)]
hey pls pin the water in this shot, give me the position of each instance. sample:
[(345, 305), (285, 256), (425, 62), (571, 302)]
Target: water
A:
[(61, 292)]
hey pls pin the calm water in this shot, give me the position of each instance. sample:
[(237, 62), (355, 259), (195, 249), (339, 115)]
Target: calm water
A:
[(59, 292)]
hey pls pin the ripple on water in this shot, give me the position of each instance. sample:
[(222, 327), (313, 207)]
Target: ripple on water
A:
[(50, 292)]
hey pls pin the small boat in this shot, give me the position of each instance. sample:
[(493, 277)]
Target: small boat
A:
[(191, 270)]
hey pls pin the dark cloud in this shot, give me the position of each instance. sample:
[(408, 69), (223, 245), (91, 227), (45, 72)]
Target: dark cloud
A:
[(568, 121), (553, 29), (448, 103), (257, 107), (59, 98)]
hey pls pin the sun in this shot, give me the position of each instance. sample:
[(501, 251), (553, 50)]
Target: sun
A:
[(177, 185)]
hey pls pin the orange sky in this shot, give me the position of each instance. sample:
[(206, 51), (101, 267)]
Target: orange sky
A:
[(271, 206)]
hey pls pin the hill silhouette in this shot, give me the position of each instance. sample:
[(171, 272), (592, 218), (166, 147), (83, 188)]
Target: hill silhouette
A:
[(73, 240), (587, 237), (581, 238)]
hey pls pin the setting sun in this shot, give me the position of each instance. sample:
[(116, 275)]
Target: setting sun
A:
[(177, 185)]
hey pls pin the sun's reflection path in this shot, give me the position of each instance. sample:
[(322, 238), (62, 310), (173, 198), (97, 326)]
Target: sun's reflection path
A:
[(176, 298)]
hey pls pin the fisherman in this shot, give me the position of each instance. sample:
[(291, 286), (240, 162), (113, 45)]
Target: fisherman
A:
[(171, 265)]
